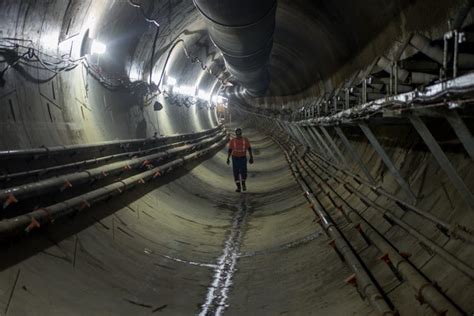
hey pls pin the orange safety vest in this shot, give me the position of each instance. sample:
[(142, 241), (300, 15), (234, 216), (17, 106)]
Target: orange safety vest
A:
[(239, 146)]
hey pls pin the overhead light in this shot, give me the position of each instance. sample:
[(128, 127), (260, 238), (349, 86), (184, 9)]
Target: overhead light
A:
[(98, 47), (91, 46), (186, 90), (202, 94), (134, 74), (218, 99), (50, 40), (171, 81)]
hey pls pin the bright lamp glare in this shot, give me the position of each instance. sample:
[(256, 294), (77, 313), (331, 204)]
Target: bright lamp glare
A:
[(50, 41), (98, 47), (203, 95), (186, 90), (171, 81)]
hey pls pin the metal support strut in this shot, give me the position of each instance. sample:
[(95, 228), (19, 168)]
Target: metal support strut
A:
[(388, 162), (355, 155), (443, 161)]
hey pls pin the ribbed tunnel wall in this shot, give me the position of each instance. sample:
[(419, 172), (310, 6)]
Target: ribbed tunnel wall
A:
[(160, 250), (186, 243)]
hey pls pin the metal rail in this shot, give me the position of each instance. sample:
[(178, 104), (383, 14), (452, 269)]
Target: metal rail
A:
[(93, 161), (439, 92), (68, 180), (100, 147)]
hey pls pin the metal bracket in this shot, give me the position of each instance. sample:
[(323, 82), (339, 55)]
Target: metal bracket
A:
[(296, 134), (326, 147), (307, 141), (334, 145), (461, 131), (388, 162), (290, 132), (316, 142), (443, 161), (354, 154)]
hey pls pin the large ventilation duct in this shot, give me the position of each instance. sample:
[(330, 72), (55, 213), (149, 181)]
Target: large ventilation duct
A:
[(243, 31)]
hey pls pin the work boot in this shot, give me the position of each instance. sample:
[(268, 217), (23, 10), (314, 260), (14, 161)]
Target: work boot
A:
[(238, 187), (244, 187)]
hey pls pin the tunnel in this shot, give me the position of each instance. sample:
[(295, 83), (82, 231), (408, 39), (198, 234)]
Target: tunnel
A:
[(122, 191)]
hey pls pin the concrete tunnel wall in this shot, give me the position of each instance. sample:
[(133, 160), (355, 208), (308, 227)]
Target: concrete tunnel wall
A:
[(155, 249), (72, 108)]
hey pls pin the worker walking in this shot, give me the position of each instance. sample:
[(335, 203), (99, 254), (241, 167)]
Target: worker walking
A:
[(238, 150)]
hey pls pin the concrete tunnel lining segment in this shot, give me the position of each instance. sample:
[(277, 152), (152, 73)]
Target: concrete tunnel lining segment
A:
[(186, 243)]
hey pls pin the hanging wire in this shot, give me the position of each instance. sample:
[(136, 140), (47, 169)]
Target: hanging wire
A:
[(17, 52), (147, 18)]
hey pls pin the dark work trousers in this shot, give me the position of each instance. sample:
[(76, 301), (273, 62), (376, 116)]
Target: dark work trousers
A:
[(239, 165)]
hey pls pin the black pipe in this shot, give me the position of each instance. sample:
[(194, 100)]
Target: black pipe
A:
[(16, 226), (95, 148), (76, 178), (243, 31)]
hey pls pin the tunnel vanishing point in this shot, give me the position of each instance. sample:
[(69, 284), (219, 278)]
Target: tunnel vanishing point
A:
[(116, 197)]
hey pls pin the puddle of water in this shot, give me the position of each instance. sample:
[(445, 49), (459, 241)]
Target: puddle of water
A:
[(217, 295)]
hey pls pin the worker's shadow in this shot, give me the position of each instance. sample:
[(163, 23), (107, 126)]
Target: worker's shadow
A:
[(20, 249)]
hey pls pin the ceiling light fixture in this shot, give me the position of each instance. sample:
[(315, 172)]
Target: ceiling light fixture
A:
[(91, 46), (98, 47), (171, 81)]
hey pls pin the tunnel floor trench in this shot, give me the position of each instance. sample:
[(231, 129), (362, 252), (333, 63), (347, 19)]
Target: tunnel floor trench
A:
[(191, 246)]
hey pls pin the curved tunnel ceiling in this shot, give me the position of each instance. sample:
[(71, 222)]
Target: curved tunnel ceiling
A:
[(78, 130), (312, 40)]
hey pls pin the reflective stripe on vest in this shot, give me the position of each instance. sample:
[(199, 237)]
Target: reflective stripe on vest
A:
[(239, 150)]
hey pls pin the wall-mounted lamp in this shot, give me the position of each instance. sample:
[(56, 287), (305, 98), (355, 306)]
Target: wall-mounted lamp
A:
[(98, 47), (91, 46), (170, 81), (202, 94)]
